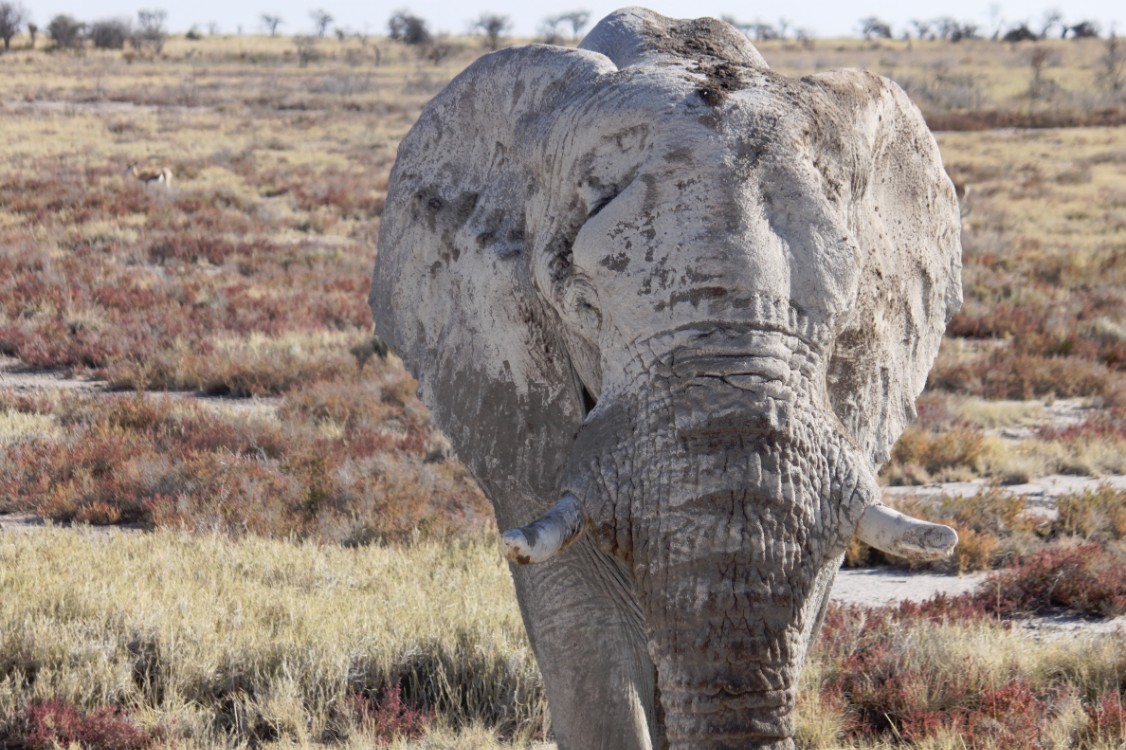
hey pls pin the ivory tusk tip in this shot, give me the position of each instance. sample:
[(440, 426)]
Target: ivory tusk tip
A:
[(891, 531), (545, 538), (516, 547)]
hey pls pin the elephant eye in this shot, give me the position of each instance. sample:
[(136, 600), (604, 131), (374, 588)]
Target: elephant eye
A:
[(589, 401), (601, 203)]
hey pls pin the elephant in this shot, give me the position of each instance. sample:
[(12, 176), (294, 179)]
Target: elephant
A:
[(672, 310)]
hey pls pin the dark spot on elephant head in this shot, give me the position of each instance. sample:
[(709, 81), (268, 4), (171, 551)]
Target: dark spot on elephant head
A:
[(720, 79), (616, 262), (444, 217)]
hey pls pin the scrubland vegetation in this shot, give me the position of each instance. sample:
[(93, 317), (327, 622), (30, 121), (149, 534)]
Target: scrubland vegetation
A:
[(322, 571)]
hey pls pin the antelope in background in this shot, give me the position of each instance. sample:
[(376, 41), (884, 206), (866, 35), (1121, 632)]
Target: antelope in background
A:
[(161, 176)]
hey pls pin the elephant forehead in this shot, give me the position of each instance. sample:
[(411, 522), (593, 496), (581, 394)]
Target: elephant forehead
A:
[(687, 214)]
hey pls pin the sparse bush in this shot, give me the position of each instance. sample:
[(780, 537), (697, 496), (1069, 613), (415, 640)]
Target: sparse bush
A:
[(1093, 515), (307, 51)]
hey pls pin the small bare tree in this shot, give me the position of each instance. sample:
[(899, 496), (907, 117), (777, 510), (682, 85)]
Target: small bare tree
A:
[(271, 23), (150, 30), (321, 20), (1111, 77), (873, 28), (549, 30), (12, 17), (1039, 86), (33, 31), (578, 19), (1053, 18), (493, 27)]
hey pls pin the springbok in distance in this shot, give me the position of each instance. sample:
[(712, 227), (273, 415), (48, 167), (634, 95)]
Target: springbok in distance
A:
[(161, 176)]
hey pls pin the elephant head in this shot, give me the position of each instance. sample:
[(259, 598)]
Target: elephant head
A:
[(696, 300)]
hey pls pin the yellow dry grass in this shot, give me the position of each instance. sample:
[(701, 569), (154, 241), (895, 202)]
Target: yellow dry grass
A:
[(18, 426), (210, 636), (205, 636)]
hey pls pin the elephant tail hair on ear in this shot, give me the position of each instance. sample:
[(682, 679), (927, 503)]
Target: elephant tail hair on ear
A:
[(549, 535)]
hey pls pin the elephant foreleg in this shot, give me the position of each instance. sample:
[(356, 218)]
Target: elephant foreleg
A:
[(586, 631)]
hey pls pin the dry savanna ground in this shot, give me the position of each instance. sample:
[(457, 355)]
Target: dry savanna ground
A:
[(322, 573)]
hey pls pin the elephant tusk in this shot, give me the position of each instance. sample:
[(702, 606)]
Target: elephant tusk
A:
[(891, 531), (546, 537)]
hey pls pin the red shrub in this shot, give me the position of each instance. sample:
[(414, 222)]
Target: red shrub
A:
[(54, 723), (1087, 578), (1107, 720), (389, 717)]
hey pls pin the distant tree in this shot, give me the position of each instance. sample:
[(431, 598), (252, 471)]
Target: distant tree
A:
[(922, 29), (65, 32), (110, 33), (321, 20), (764, 31), (577, 19), (213, 28), (873, 28), (953, 30), (12, 17), (965, 31), (33, 31), (1082, 30), (1020, 34), (150, 30), (549, 30), (1052, 18), (271, 23), (493, 27), (406, 27)]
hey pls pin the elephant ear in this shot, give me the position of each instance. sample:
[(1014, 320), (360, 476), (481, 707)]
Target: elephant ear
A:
[(905, 218), (453, 290)]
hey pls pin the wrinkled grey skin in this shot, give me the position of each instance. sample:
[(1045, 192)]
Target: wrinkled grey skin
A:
[(702, 298)]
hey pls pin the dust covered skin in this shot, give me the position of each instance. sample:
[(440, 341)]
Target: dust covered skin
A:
[(696, 297)]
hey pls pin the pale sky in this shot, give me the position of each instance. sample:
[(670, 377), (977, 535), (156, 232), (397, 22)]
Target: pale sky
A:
[(819, 17)]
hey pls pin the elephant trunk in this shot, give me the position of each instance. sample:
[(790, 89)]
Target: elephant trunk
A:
[(734, 579), (733, 511), (731, 491)]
